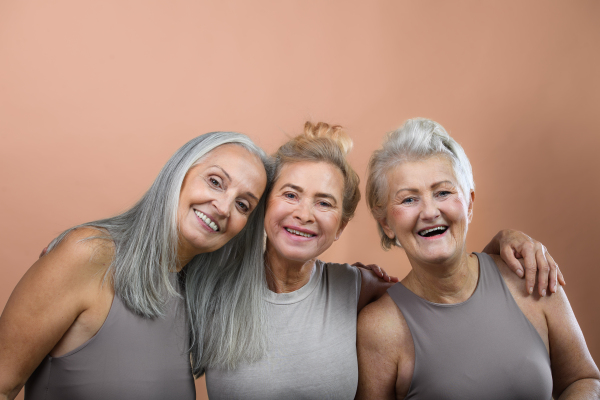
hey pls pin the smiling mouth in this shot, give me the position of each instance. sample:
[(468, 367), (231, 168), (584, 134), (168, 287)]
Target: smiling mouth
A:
[(211, 224), (438, 230), (298, 233)]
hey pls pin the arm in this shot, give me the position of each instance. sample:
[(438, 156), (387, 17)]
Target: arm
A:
[(45, 303), (379, 340), (574, 372), (372, 286), (511, 245)]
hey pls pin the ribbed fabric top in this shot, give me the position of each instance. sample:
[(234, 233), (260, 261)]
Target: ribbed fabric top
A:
[(130, 357), (312, 344), (483, 348)]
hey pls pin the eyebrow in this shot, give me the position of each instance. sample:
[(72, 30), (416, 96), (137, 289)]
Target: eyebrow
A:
[(299, 189), (221, 168), (433, 186), (249, 194)]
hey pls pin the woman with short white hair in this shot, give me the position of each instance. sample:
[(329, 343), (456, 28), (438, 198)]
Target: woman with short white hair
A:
[(459, 325)]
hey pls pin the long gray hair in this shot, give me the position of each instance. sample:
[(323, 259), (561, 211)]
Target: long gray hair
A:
[(223, 289)]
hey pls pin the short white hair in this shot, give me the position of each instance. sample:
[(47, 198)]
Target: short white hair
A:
[(417, 139)]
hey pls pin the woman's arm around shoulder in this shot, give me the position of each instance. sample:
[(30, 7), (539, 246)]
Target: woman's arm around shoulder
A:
[(384, 345), (50, 297)]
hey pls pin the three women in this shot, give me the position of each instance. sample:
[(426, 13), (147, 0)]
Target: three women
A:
[(205, 195)]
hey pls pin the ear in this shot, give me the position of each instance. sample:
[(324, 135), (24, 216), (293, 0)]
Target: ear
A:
[(386, 228), (340, 230), (470, 208)]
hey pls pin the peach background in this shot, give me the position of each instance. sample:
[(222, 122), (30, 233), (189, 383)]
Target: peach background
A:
[(95, 96)]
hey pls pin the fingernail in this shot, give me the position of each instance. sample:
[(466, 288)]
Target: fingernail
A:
[(554, 288), (530, 289), (543, 292), (520, 273)]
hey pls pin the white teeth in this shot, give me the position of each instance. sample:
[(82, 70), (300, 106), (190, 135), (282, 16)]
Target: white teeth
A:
[(207, 220), (295, 232), (437, 228)]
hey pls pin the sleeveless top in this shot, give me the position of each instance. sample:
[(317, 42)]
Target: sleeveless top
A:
[(483, 348), (312, 344), (130, 357)]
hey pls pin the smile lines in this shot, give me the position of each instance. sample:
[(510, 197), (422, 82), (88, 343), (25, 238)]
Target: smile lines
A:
[(207, 221), (295, 232)]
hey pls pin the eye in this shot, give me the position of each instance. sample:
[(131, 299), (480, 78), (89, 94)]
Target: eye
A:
[(324, 203), (243, 206), (408, 201), (290, 195), (443, 193), (214, 181)]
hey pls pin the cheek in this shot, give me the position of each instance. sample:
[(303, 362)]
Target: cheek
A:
[(402, 218)]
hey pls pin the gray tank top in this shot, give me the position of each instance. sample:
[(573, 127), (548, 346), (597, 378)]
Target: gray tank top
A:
[(483, 348), (130, 357), (312, 344)]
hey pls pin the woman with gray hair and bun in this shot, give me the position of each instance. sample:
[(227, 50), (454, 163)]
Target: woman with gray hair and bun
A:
[(459, 325), (115, 307)]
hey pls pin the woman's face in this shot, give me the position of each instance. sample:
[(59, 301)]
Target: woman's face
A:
[(217, 196), (427, 212), (304, 210)]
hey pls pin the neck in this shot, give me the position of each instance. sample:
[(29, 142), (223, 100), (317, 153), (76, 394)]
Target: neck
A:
[(182, 258), (446, 283), (283, 275)]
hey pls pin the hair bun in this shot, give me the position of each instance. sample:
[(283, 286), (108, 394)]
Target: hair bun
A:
[(323, 130)]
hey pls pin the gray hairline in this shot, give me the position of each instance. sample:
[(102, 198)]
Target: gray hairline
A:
[(390, 156)]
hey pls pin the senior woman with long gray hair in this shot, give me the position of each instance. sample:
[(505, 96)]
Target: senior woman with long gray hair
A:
[(115, 307), (459, 325)]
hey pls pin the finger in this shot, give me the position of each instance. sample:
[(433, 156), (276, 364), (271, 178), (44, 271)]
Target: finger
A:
[(394, 279), (529, 259), (508, 256), (561, 278), (553, 278), (543, 271), (375, 268), (43, 253), (386, 277), (358, 264)]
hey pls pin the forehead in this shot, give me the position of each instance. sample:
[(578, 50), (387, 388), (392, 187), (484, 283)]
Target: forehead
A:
[(419, 174), (242, 166), (312, 177)]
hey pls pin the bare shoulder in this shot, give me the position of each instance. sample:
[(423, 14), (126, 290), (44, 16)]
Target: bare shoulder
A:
[(83, 247), (383, 323), (385, 351), (54, 293), (516, 285)]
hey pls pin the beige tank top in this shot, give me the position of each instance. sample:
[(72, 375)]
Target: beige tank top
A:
[(312, 344)]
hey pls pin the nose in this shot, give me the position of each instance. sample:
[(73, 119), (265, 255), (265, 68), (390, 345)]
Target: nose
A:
[(303, 212), (430, 211), (223, 204)]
